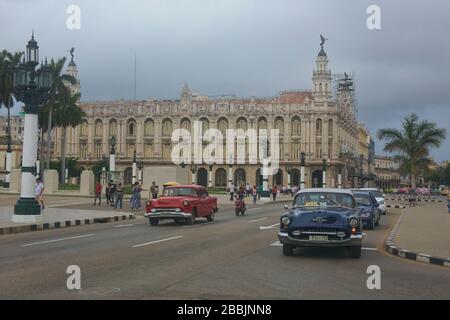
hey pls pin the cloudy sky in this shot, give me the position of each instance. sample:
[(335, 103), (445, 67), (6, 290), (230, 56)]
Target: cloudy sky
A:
[(249, 48)]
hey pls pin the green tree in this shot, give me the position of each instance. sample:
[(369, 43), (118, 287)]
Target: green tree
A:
[(8, 63), (67, 114), (412, 144), (57, 94)]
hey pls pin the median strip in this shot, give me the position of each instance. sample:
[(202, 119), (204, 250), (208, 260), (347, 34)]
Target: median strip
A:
[(157, 241), (56, 240)]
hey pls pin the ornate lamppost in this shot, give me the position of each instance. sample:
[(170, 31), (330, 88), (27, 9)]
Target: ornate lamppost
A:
[(210, 167), (193, 171), (31, 87), (324, 173), (112, 154), (140, 167), (289, 172), (104, 164), (302, 170), (134, 168)]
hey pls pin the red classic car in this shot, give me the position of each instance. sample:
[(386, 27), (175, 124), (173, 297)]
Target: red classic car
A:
[(182, 203)]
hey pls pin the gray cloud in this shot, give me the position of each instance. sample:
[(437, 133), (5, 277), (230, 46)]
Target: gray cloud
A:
[(250, 48)]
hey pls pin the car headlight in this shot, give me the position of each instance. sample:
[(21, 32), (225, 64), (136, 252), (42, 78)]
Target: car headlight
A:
[(353, 222), (286, 221), (185, 203), (153, 210)]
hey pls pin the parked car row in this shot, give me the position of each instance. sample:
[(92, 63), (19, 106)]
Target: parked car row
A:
[(330, 218)]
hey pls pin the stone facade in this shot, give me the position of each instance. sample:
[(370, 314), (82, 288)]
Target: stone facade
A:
[(321, 123), (386, 172)]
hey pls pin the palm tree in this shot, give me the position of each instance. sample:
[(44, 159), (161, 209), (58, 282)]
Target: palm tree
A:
[(412, 144), (8, 63), (67, 114), (58, 92)]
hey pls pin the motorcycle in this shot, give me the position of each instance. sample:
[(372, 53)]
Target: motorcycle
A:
[(239, 206)]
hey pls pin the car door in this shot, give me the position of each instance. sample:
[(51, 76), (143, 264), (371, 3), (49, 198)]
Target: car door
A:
[(202, 202)]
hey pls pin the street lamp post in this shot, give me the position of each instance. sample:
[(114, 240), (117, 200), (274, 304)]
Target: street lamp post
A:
[(340, 178), (31, 87), (324, 173), (140, 167), (193, 171), (302, 171), (289, 172), (104, 163), (112, 154), (134, 168), (210, 176)]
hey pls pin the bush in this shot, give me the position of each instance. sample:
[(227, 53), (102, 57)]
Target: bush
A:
[(215, 190), (68, 186)]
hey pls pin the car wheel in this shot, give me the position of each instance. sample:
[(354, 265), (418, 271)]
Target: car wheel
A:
[(354, 252), (153, 222), (210, 218), (288, 250), (191, 220)]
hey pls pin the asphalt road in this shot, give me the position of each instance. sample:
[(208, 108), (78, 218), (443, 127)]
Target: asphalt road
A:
[(231, 258)]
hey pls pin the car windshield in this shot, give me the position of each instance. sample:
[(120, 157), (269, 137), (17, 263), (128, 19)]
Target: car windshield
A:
[(377, 194), (323, 200), (362, 198), (179, 192)]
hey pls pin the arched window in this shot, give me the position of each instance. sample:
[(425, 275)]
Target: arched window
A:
[(296, 126), (131, 128), (279, 125), (98, 128), (205, 124), (241, 124), (148, 150), (222, 125), (220, 178), (167, 127), (84, 128), (186, 124), (319, 127), (112, 128), (149, 128), (262, 123)]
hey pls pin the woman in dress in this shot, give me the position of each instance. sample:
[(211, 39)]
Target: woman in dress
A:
[(136, 196)]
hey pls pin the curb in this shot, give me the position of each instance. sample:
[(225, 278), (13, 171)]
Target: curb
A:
[(396, 206), (63, 224), (411, 255)]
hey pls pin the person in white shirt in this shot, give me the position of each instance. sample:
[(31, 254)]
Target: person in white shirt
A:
[(39, 190), (231, 190)]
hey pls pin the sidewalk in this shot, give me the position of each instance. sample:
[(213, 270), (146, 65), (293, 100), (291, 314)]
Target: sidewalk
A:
[(59, 218), (423, 234)]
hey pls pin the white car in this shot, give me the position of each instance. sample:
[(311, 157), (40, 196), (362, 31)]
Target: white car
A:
[(380, 198)]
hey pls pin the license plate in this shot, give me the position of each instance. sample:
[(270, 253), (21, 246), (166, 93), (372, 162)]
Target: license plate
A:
[(318, 238)]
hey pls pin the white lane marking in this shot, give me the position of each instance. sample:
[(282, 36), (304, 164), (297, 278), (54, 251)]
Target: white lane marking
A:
[(157, 241), (124, 225), (257, 219), (56, 240), (268, 227), (369, 249), (276, 244)]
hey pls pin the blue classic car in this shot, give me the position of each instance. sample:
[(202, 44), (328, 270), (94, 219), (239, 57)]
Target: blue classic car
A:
[(322, 218), (369, 208)]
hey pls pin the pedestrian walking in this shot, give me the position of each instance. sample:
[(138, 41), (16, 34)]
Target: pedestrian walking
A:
[(231, 191), (255, 195), (260, 190), (248, 190), (154, 190), (112, 194), (136, 196), (98, 193), (412, 197), (107, 194), (119, 197), (274, 193), (39, 191)]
